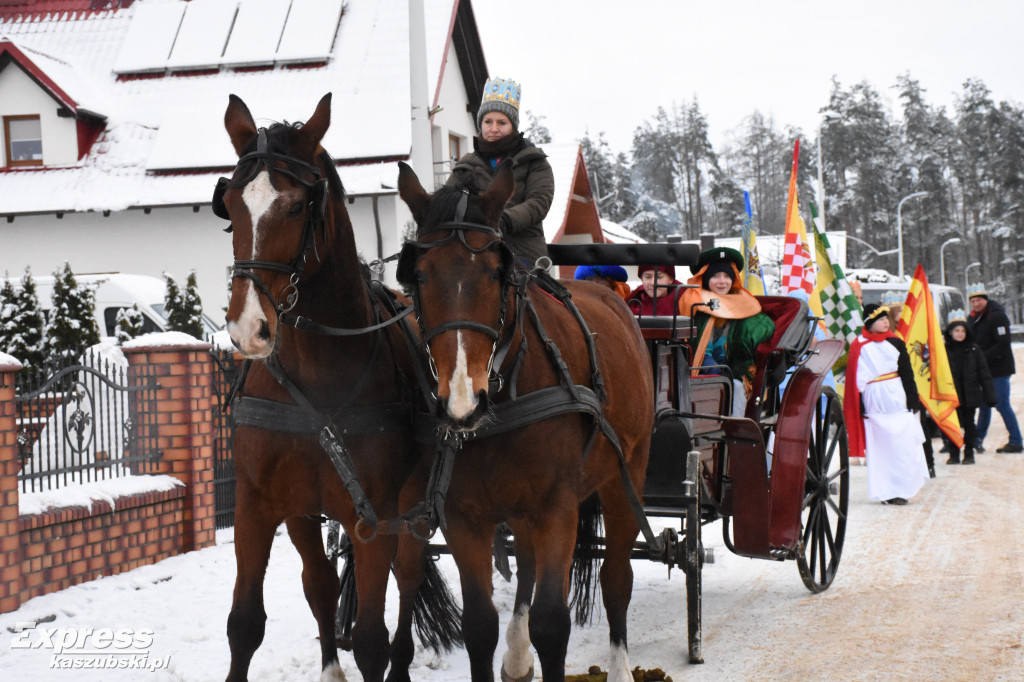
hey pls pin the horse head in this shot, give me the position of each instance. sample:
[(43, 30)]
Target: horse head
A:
[(282, 219), (459, 271)]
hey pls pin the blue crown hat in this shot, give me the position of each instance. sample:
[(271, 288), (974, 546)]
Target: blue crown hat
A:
[(892, 298), (502, 95), (977, 289), (958, 315)]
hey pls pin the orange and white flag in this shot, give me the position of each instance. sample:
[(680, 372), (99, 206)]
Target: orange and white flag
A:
[(797, 264)]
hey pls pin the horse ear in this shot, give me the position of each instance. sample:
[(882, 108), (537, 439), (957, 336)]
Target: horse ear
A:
[(316, 127), (411, 191), (493, 201), (239, 124)]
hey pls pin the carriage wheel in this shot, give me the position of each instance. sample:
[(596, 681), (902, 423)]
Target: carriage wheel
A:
[(694, 559), (826, 496)]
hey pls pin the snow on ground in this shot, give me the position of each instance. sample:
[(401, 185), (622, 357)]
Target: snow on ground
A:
[(930, 590)]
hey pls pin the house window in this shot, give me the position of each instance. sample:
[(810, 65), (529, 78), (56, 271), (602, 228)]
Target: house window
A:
[(24, 137), (454, 147)]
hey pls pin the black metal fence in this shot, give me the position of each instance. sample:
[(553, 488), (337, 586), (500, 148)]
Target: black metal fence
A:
[(225, 372), (82, 420)]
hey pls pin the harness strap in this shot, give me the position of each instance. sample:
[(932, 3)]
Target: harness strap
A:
[(361, 420), (554, 353), (307, 325)]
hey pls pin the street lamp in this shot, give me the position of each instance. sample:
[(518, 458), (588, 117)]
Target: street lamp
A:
[(899, 227), (876, 251), (967, 274), (826, 118), (942, 256)]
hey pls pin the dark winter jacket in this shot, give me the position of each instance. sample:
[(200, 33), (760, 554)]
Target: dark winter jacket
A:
[(970, 373), (991, 332), (530, 201)]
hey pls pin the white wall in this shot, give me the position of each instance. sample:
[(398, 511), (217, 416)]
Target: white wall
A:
[(21, 96), (453, 118)]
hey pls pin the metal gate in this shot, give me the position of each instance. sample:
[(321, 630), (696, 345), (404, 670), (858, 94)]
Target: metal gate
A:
[(225, 372), (79, 423)]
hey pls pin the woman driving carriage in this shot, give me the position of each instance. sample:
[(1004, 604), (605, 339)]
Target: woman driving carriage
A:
[(499, 139), (729, 333)]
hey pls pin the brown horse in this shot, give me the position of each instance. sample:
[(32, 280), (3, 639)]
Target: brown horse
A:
[(477, 315), (346, 369)]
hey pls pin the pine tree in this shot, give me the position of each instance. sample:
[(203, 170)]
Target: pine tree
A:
[(72, 324), (8, 306), (192, 309), (174, 306), (129, 323), (29, 324), (535, 130)]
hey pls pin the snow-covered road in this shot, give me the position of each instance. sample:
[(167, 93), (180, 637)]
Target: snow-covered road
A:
[(932, 590)]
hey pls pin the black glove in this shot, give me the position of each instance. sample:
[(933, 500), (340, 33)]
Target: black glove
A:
[(505, 223)]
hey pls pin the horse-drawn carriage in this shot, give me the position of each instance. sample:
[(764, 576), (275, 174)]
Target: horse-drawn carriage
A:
[(778, 477), (518, 401)]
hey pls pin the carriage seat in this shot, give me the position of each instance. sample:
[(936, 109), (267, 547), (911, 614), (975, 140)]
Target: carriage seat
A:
[(793, 335), (664, 326)]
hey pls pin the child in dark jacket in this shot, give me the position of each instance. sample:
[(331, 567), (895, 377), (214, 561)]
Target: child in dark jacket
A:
[(973, 382)]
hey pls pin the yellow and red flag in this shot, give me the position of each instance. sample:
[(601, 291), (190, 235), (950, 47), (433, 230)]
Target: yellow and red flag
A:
[(919, 329), (797, 265)]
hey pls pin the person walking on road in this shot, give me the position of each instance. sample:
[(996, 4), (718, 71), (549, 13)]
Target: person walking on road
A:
[(972, 379), (991, 329), (879, 401)]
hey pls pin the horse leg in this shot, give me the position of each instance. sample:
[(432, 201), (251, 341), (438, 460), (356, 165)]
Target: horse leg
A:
[(550, 623), (254, 535), (321, 586), (409, 573), (517, 662), (369, 633), (472, 550), (617, 574)]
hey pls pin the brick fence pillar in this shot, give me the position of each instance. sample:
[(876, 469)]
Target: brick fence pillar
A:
[(184, 372), (10, 541)]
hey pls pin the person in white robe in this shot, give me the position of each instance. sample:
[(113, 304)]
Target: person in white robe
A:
[(879, 402)]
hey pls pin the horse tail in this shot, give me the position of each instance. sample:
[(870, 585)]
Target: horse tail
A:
[(585, 559), (436, 614)]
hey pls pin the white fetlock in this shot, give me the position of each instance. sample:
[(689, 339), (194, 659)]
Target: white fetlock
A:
[(333, 673), (517, 662), (618, 668)]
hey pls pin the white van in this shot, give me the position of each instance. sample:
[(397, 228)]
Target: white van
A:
[(115, 291), (874, 284)]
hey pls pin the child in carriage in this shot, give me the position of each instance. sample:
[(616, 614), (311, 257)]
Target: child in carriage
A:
[(656, 293), (730, 333), (878, 404), (973, 381)]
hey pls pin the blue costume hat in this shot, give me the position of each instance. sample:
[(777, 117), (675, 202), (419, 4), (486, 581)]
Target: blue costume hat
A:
[(613, 272), (502, 95)]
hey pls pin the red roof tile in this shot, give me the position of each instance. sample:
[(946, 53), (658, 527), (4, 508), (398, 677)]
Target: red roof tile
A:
[(11, 9)]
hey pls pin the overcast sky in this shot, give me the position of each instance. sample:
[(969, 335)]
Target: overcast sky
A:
[(608, 65)]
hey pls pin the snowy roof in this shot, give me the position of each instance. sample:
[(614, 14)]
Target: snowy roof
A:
[(171, 121), (562, 158), (617, 234)]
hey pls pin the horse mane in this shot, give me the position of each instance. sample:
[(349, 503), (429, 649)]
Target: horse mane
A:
[(443, 204), (281, 134)]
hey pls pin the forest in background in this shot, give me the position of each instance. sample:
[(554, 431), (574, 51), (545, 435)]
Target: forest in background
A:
[(969, 160)]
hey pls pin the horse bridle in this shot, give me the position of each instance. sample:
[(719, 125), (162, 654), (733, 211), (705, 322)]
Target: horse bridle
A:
[(315, 217), (458, 229)]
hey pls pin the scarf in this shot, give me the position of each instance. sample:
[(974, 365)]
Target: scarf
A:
[(494, 152), (851, 394)]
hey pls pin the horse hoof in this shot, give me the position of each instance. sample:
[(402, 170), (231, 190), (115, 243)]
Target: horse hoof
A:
[(333, 673), (505, 677)]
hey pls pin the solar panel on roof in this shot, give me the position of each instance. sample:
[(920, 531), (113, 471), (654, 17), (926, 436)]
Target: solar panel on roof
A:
[(203, 34), (309, 32), (256, 32), (150, 37)]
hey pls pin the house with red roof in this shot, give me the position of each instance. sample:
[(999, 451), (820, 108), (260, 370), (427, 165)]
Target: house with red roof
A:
[(113, 139)]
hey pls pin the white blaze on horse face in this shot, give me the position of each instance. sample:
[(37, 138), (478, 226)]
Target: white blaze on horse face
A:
[(517, 662), (461, 399), (259, 195)]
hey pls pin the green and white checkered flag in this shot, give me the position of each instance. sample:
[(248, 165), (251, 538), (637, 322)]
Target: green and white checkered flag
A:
[(833, 299)]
